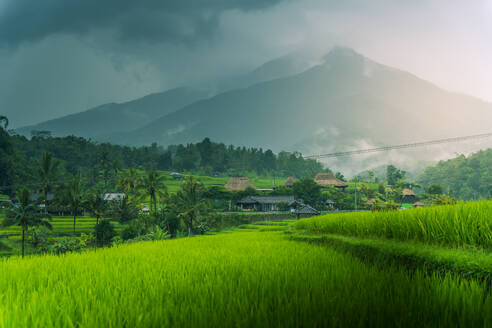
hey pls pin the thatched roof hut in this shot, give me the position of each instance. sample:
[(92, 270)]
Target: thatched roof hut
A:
[(418, 204), (408, 196), (238, 184), (371, 202), (290, 181), (329, 180), (408, 192)]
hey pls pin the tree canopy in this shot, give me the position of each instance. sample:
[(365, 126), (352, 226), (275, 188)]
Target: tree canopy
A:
[(462, 177)]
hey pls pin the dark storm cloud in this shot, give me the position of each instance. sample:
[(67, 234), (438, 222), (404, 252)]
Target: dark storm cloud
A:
[(149, 21)]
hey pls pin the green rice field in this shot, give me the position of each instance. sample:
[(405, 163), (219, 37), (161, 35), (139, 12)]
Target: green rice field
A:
[(62, 225), (259, 182), (336, 270), (240, 279), (462, 225)]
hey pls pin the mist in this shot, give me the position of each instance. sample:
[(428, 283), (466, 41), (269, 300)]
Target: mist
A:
[(69, 58)]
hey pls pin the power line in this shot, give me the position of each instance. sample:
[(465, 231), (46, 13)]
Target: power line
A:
[(409, 145)]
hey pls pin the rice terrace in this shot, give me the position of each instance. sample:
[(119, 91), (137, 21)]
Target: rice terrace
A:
[(268, 163)]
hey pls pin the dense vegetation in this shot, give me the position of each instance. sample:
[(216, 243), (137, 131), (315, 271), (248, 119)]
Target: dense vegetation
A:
[(463, 177), (92, 159), (241, 276)]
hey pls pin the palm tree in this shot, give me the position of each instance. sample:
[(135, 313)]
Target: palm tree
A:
[(153, 185), (108, 166), (129, 181), (25, 214), (74, 197), (47, 175), (124, 210), (96, 205), (5, 121), (190, 201)]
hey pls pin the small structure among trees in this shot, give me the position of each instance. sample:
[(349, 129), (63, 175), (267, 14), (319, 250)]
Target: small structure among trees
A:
[(289, 182), (176, 176), (370, 203), (238, 184), (408, 196), (305, 210), (114, 196), (329, 180)]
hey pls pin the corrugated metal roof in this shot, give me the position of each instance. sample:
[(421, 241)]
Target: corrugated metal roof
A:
[(114, 196), (267, 200), (306, 209)]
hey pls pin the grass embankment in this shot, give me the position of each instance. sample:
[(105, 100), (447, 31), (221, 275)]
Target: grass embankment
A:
[(461, 225), (465, 263), (455, 238), (238, 279)]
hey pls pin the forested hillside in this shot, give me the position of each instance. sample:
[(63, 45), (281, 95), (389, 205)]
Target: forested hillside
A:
[(20, 159), (464, 177)]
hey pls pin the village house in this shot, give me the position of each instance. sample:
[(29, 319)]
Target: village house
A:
[(305, 211), (176, 176), (114, 196), (329, 180), (408, 196), (264, 203)]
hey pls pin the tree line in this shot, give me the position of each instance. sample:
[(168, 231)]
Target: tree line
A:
[(463, 177), (20, 157)]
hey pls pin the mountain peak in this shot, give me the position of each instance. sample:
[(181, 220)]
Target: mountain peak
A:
[(342, 54)]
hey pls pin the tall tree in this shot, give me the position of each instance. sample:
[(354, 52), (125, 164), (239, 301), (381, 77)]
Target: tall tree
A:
[(124, 210), (152, 184), (307, 190), (95, 204), (47, 175), (190, 201), (74, 197), (6, 152), (26, 214), (393, 175), (107, 164), (129, 181), (5, 121)]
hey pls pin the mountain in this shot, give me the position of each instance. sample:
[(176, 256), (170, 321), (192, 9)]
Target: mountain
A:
[(112, 118), (346, 102), (343, 101), (102, 122), (290, 64)]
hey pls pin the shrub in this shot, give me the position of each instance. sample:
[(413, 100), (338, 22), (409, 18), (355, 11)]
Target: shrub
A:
[(104, 232)]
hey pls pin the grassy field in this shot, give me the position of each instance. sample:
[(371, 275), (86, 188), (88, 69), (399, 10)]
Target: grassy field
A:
[(239, 279), (259, 182), (62, 225), (462, 225)]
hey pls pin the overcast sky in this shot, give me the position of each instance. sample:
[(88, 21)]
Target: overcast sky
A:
[(62, 56)]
